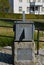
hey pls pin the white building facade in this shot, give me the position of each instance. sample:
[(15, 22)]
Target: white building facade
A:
[(29, 6)]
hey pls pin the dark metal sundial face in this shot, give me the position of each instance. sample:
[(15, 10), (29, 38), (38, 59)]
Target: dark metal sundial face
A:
[(24, 29)]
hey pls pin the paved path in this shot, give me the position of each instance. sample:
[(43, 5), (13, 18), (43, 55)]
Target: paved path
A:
[(5, 57), (41, 56)]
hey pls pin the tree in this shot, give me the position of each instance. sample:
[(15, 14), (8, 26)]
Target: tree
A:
[(4, 6)]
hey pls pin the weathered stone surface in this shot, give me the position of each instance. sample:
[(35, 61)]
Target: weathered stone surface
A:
[(26, 63), (20, 49)]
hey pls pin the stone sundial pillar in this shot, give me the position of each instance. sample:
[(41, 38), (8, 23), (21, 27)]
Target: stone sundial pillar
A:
[(24, 51)]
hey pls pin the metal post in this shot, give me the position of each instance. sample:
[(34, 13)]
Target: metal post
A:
[(13, 53), (13, 45), (34, 7), (38, 42), (23, 16)]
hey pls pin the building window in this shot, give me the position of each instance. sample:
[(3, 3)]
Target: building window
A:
[(28, 1), (34, 0), (43, 9), (20, 9), (20, 0), (39, 0), (28, 9), (32, 8), (36, 8), (42, 0)]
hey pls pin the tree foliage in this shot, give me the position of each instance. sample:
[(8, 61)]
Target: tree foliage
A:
[(4, 6)]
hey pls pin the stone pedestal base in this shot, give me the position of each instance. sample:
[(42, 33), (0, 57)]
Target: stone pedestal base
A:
[(20, 63), (24, 53)]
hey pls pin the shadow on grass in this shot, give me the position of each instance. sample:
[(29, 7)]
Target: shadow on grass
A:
[(6, 58)]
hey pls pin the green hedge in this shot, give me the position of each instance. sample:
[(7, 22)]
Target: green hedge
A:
[(19, 16)]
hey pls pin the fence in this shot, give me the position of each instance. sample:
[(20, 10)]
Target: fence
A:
[(7, 35), (39, 39)]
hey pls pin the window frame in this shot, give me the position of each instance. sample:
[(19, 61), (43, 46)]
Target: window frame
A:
[(20, 0), (28, 9), (42, 9), (28, 1), (42, 0), (38, 0), (20, 8), (34, 0)]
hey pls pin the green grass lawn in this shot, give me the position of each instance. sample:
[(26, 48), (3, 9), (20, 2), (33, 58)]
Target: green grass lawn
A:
[(5, 32), (6, 23)]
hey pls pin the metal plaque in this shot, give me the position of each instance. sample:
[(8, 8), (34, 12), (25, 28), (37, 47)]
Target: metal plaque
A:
[(24, 54), (26, 27)]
